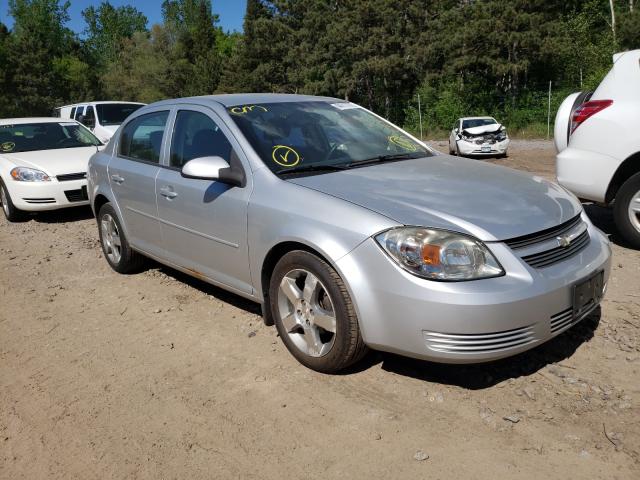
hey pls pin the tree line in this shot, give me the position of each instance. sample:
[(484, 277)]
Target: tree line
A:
[(462, 57)]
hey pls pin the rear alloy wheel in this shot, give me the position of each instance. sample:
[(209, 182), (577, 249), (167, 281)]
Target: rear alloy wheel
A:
[(11, 213), (314, 314), (115, 246), (626, 210)]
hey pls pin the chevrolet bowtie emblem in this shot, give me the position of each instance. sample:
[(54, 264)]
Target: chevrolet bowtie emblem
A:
[(564, 241)]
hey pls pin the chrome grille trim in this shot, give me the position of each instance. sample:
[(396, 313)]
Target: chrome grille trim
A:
[(39, 200), (557, 254), (482, 343), (544, 235)]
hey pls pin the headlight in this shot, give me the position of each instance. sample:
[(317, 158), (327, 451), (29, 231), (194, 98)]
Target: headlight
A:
[(24, 174), (439, 254)]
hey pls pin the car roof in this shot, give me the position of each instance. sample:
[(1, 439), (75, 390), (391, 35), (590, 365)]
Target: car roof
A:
[(21, 121), (232, 99), (100, 103), (477, 118)]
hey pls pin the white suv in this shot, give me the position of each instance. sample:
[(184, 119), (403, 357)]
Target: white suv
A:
[(597, 136)]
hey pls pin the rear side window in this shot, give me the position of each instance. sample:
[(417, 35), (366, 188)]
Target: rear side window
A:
[(73, 113), (141, 138), (197, 135), (79, 113)]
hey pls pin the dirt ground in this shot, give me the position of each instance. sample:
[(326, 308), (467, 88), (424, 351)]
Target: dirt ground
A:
[(159, 376)]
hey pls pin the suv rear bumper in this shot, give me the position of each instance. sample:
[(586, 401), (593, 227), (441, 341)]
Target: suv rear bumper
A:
[(585, 173)]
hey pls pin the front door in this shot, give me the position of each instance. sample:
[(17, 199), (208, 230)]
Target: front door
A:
[(132, 174), (204, 223)]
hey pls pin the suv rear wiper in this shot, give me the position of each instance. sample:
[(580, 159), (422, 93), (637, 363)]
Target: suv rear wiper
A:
[(385, 158), (311, 168)]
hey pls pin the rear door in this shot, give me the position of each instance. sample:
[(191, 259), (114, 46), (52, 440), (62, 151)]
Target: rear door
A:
[(132, 174), (204, 223)]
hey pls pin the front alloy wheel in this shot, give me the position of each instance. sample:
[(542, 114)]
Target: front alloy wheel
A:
[(307, 313), (314, 314)]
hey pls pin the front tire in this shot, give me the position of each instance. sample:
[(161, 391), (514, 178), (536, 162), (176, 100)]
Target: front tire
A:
[(314, 314), (11, 213), (626, 210), (117, 251)]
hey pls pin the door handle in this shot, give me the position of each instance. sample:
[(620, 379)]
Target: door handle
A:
[(168, 192), (117, 178)]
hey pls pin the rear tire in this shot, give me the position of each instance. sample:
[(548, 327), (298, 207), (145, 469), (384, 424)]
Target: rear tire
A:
[(11, 213), (117, 251), (314, 314), (626, 210)]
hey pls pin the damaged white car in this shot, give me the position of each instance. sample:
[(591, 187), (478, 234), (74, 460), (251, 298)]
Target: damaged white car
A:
[(484, 136)]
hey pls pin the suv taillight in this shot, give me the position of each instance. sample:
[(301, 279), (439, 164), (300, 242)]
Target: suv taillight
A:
[(586, 110)]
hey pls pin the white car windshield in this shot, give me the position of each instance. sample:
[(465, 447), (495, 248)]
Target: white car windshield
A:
[(29, 137), (319, 135), (477, 122)]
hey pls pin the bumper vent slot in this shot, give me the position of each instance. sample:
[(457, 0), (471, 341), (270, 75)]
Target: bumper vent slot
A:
[(79, 195), (478, 344), (558, 254), (39, 200), (72, 176), (561, 320)]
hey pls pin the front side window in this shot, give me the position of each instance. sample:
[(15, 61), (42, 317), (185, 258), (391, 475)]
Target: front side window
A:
[(196, 135), (29, 137), (141, 138), (89, 117), (79, 113), (320, 134)]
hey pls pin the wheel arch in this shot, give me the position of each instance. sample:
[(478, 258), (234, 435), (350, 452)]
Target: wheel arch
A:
[(625, 170), (271, 259)]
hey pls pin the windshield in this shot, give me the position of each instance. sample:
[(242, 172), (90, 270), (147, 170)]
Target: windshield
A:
[(28, 137), (115, 113), (315, 134), (478, 122)]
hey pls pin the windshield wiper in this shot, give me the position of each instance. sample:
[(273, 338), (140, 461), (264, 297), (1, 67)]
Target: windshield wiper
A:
[(386, 158), (311, 168)]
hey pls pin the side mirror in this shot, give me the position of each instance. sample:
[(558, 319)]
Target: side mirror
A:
[(212, 168)]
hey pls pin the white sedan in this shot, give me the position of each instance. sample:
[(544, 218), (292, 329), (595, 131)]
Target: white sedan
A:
[(482, 136), (43, 164)]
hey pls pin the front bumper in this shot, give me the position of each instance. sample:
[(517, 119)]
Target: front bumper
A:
[(40, 196), (496, 318), (490, 149)]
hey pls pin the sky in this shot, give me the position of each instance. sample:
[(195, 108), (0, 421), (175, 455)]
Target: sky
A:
[(231, 12)]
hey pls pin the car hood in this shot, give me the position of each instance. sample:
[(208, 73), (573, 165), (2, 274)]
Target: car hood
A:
[(53, 162), (492, 128), (488, 201)]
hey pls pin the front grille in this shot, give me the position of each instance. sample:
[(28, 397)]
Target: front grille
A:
[(480, 343), (72, 176), (544, 235), (557, 254), (39, 200), (79, 195)]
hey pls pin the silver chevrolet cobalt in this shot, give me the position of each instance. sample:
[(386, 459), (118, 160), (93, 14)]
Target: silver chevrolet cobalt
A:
[(350, 232)]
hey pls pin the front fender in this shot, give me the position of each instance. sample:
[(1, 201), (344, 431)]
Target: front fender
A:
[(281, 212)]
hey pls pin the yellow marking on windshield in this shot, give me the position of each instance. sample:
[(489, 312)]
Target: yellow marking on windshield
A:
[(244, 109), (403, 142), (8, 146), (285, 156)]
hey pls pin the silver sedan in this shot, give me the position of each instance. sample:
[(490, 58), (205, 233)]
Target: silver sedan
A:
[(350, 232)]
